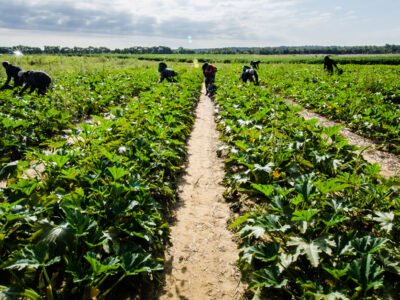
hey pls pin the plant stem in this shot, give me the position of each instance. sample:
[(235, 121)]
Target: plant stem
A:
[(113, 286)]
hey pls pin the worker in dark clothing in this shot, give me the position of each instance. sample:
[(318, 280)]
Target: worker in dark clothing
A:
[(209, 71), (329, 63), (166, 73), (254, 64), (249, 74), (12, 72), (35, 80)]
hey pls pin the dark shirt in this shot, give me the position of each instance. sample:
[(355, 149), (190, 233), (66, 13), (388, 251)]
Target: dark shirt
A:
[(249, 74), (38, 79), (167, 73), (210, 70), (329, 63), (12, 72)]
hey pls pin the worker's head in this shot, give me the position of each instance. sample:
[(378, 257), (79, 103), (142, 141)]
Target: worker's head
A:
[(162, 66), (22, 75), (6, 64), (204, 66)]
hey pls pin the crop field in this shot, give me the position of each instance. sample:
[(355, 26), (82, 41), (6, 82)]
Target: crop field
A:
[(95, 214), (90, 172), (322, 224), (267, 59), (365, 98)]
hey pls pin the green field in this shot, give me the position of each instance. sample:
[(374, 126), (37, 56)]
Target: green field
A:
[(63, 63), (322, 223), (365, 98), (269, 59), (91, 170)]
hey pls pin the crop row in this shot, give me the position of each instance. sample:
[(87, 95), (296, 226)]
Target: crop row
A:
[(29, 121), (316, 221), (365, 98), (95, 217)]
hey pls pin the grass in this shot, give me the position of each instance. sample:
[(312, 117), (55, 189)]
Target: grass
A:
[(268, 59), (58, 64)]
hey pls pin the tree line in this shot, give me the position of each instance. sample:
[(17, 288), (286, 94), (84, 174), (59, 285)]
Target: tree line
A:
[(88, 50), (386, 49)]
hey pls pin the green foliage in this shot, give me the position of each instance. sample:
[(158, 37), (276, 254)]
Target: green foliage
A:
[(321, 223), (93, 217), (365, 98)]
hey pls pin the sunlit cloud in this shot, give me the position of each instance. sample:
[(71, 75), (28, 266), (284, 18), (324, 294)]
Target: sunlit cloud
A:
[(190, 23)]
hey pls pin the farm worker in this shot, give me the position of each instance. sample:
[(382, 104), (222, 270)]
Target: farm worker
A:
[(254, 64), (166, 73), (329, 63), (12, 72), (249, 74), (209, 71), (35, 80)]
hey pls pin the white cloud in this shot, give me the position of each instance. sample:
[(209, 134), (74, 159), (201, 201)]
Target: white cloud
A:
[(169, 22)]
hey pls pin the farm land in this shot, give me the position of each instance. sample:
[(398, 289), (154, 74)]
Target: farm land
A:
[(89, 176)]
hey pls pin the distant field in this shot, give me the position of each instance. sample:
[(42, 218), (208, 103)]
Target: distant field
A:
[(233, 58), (57, 64)]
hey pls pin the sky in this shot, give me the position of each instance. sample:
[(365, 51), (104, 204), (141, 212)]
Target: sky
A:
[(199, 24)]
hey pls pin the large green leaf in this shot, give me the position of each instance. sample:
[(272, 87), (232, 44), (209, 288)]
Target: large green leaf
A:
[(117, 173), (366, 273), (385, 220), (331, 185), (78, 222), (268, 277), (249, 231), (305, 186), (52, 233), (331, 130), (267, 251), (134, 263), (25, 186), (16, 293), (304, 215), (310, 249), (313, 248), (108, 266), (60, 160), (267, 168), (263, 188), (335, 219), (337, 272), (32, 257), (368, 244), (390, 259), (331, 296)]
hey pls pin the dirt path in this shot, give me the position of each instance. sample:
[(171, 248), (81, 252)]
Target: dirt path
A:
[(200, 263), (389, 163)]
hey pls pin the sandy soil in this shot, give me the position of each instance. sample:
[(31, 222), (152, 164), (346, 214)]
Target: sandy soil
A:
[(200, 263), (389, 163)]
